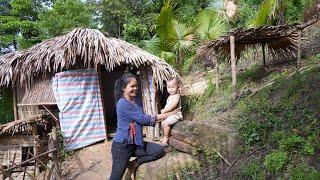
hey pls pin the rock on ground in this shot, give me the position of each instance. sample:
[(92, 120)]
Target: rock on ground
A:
[(208, 136), (167, 167)]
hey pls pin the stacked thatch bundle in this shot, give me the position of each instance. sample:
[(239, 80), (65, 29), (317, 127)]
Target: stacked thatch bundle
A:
[(81, 48)]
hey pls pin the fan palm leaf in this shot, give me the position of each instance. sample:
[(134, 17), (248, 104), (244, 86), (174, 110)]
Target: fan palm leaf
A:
[(210, 25)]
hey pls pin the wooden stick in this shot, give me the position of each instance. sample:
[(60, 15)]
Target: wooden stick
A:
[(29, 160), (222, 157), (30, 175), (6, 174), (232, 164), (54, 117), (25, 167), (42, 163)]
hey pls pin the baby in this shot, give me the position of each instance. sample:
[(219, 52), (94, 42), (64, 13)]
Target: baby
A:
[(173, 102)]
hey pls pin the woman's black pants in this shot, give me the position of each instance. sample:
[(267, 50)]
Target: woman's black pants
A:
[(121, 153)]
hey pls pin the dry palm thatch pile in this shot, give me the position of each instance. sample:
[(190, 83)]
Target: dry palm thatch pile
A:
[(81, 48), (18, 126), (281, 41)]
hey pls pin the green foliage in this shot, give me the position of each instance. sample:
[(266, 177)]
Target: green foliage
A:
[(64, 16), (176, 37), (210, 25), (296, 143), (63, 153), (303, 172), (135, 30), (252, 170), (18, 23), (276, 161), (211, 156), (6, 106), (266, 14)]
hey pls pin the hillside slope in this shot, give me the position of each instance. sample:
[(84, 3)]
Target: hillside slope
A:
[(277, 117)]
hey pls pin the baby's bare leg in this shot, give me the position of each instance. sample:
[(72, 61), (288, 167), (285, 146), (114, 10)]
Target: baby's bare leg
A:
[(166, 131)]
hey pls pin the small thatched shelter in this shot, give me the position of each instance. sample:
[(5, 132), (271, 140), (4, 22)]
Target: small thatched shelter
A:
[(21, 140), (30, 72), (284, 42)]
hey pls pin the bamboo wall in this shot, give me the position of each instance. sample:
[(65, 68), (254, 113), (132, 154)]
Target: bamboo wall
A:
[(11, 148), (149, 99)]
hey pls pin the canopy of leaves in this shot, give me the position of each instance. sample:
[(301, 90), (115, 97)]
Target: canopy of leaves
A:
[(64, 16)]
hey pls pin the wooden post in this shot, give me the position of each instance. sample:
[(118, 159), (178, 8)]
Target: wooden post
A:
[(102, 101), (15, 107), (263, 54), (299, 50), (35, 148), (217, 76), (53, 144), (233, 66), (155, 110)]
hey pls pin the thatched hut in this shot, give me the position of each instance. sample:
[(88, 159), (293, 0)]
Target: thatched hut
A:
[(284, 42), (32, 73)]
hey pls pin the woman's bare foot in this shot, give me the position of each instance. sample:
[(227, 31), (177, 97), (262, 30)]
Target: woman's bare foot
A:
[(132, 167)]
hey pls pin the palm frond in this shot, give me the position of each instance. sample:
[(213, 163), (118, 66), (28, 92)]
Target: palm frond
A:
[(210, 25)]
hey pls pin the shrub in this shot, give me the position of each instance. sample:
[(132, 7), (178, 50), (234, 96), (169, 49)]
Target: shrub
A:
[(303, 172), (276, 161), (252, 170)]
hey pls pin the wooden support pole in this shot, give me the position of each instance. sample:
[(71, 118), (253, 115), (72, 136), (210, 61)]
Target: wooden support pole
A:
[(35, 148), (264, 54), (52, 115), (102, 100), (55, 154), (233, 66), (217, 76), (299, 50), (15, 102)]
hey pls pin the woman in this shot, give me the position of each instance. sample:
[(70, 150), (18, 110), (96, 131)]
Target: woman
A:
[(128, 141)]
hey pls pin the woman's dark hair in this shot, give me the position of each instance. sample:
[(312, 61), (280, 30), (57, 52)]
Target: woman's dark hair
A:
[(120, 84)]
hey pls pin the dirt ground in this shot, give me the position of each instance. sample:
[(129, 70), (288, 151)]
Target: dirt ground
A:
[(93, 162)]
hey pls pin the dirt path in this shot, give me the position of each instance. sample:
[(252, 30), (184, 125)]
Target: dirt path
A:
[(93, 162)]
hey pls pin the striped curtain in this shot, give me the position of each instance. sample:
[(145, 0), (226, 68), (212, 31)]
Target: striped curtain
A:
[(81, 116)]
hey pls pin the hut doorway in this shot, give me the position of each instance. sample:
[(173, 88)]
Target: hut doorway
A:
[(107, 81), (107, 85)]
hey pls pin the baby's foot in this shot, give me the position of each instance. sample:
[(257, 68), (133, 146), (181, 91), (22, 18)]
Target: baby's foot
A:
[(165, 141)]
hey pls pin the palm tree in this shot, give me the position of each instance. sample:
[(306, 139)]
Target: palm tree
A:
[(174, 37), (211, 26)]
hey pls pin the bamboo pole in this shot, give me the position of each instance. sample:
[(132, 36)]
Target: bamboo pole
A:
[(233, 66)]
